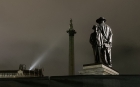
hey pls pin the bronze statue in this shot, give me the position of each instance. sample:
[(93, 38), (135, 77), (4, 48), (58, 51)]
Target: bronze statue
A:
[(101, 41), (71, 25)]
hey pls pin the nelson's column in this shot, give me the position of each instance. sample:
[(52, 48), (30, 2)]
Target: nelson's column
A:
[(71, 32)]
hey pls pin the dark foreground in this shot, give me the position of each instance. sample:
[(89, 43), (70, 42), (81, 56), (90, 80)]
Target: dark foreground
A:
[(73, 81)]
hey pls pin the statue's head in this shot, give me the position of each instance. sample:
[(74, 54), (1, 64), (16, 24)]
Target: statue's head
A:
[(101, 20), (94, 27)]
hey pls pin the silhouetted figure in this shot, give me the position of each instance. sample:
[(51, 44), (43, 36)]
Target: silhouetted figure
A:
[(101, 41), (22, 67)]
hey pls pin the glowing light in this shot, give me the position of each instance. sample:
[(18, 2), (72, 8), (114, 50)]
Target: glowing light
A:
[(38, 60), (45, 54)]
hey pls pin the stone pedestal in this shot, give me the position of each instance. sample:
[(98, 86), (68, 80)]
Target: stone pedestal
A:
[(97, 69)]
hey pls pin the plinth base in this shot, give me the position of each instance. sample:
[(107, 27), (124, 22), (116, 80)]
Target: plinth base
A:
[(97, 69)]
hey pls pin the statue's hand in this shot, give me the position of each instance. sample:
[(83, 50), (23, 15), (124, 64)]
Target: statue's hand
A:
[(110, 44)]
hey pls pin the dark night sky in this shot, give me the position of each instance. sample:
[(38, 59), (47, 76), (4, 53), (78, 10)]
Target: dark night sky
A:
[(30, 28)]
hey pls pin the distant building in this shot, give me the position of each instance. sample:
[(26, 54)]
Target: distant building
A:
[(22, 72)]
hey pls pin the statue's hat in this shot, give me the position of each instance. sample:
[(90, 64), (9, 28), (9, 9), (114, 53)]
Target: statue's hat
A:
[(101, 19)]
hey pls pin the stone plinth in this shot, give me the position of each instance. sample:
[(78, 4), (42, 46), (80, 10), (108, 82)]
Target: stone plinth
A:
[(97, 69)]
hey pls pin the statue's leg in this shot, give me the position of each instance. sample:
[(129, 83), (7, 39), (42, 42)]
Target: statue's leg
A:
[(98, 54), (109, 56), (104, 56), (95, 53)]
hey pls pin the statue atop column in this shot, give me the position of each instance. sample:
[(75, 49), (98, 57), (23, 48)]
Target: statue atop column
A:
[(71, 25), (101, 41)]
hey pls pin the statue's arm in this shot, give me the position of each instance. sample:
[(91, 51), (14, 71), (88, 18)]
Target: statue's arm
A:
[(91, 39), (110, 37)]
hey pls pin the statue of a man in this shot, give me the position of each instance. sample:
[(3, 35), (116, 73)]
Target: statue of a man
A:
[(101, 41)]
